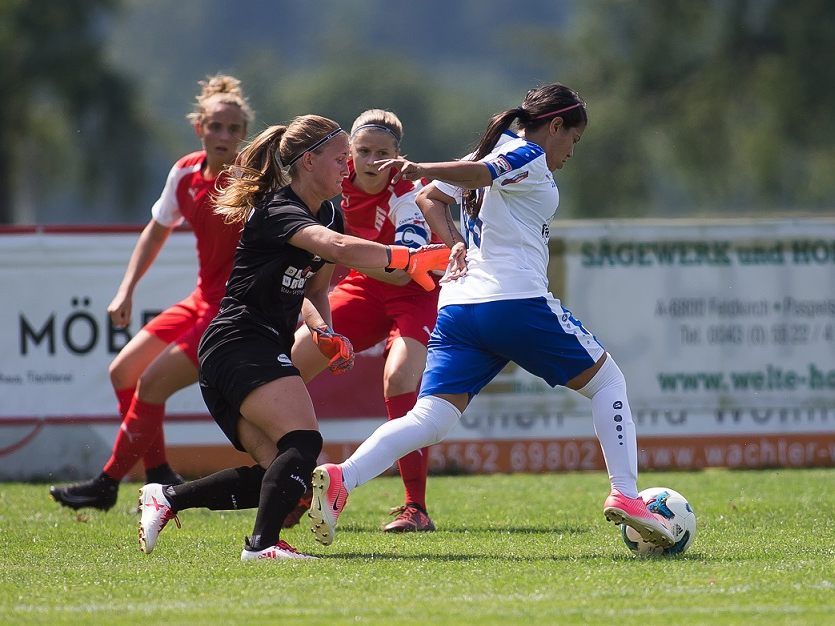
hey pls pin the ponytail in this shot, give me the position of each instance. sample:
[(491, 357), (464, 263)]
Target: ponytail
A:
[(256, 171), (268, 162), (471, 201)]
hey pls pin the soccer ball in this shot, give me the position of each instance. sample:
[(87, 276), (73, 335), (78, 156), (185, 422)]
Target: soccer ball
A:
[(679, 514)]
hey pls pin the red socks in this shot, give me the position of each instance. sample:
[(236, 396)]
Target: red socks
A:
[(155, 455), (141, 428), (415, 465)]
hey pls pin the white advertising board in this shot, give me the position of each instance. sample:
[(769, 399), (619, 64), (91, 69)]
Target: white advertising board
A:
[(734, 320), (56, 341), (725, 331)]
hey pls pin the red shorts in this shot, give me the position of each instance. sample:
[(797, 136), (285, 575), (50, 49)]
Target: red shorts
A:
[(184, 323), (368, 311)]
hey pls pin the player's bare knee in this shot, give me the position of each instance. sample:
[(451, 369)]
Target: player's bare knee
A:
[(400, 381)]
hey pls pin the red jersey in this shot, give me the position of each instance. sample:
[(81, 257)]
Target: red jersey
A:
[(189, 195), (390, 216)]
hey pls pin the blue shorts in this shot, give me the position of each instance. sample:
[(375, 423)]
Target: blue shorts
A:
[(472, 343)]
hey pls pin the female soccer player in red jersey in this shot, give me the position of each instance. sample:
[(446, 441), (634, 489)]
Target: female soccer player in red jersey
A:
[(369, 306), (162, 357)]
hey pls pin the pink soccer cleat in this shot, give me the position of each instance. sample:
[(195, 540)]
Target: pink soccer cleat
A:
[(156, 513), (280, 551), (634, 513), (329, 497)]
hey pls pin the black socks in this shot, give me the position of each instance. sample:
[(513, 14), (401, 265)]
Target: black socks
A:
[(285, 481), (226, 490)]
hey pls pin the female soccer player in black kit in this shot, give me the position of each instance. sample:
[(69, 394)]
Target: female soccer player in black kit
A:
[(291, 236)]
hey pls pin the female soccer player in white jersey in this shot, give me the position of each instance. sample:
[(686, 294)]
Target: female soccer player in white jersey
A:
[(500, 310), (368, 306), (161, 358)]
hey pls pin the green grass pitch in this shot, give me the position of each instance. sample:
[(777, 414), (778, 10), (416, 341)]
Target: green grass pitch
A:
[(510, 549)]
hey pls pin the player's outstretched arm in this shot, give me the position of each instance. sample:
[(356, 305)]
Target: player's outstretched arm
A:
[(356, 252), (466, 174)]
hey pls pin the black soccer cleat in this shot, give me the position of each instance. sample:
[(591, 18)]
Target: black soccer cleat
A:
[(97, 493), (164, 475)]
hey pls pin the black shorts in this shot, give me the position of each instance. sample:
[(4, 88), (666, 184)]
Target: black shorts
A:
[(234, 361)]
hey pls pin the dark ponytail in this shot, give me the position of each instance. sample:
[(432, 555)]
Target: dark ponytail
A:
[(471, 201)]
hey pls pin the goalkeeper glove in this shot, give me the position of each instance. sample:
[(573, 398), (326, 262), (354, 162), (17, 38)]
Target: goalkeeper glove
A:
[(419, 262), (336, 347)]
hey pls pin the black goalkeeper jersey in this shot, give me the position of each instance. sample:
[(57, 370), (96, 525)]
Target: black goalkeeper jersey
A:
[(266, 286)]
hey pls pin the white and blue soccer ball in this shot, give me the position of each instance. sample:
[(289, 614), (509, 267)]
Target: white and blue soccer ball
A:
[(675, 508)]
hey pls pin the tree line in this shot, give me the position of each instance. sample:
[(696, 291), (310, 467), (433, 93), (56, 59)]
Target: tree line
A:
[(696, 108)]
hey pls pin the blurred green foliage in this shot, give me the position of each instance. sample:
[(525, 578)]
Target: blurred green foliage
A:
[(66, 115), (716, 107)]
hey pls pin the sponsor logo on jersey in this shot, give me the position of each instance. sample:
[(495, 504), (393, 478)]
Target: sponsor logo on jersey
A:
[(518, 178), (192, 191), (501, 165), (284, 360), (546, 232), (295, 278)]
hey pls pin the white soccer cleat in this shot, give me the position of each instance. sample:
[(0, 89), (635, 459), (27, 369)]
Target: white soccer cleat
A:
[(329, 498), (156, 513), (281, 550)]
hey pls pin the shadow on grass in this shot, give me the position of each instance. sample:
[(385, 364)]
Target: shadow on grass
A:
[(589, 557), (518, 530), (462, 530), (451, 558)]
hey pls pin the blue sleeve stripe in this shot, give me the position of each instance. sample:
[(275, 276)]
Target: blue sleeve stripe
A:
[(516, 159), (523, 155)]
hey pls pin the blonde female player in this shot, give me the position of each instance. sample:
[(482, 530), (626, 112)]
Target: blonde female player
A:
[(162, 357), (501, 310), (369, 305), (291, 237)]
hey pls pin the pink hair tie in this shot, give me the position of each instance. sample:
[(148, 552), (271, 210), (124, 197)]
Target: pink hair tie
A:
[(552, 113)]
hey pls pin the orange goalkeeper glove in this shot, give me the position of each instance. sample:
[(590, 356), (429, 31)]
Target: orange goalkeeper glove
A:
[(336, 347), (419, 262)]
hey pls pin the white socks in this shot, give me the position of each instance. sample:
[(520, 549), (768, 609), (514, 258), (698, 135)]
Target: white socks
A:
[(614, 427), (428, 422), (432, 418)]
